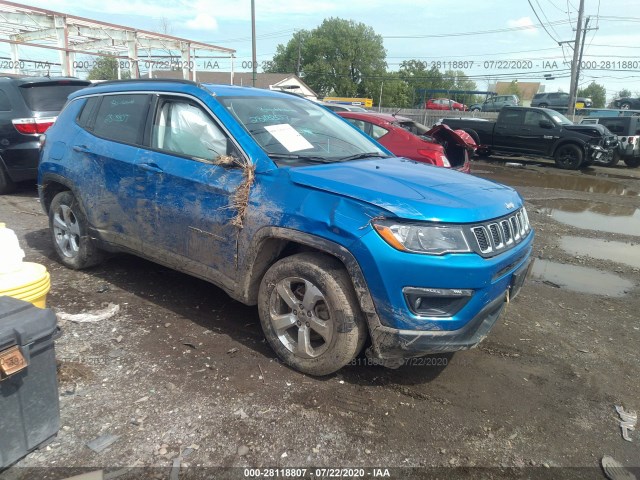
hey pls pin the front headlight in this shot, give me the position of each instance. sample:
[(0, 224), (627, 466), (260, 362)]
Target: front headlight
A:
[(422, 238)]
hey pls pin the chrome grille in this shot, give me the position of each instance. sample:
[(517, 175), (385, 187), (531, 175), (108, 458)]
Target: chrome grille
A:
[(494, 237)]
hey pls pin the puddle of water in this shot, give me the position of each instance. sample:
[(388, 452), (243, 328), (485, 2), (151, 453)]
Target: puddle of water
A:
[(523, 177), (619, 252), (581, 279), (604, 217)]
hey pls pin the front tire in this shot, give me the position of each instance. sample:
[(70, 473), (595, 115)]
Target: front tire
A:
[(68, 227), (612, 160), (632, 162), (569, 157), (310, 314)]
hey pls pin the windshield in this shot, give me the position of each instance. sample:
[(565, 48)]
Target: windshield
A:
[(560, 119), (291, 130)]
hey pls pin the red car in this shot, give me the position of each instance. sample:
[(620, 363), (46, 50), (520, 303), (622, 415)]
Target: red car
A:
[(444, 104), (440, 146)]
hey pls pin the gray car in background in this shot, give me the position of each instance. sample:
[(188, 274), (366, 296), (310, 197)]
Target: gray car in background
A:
[(495, 104)]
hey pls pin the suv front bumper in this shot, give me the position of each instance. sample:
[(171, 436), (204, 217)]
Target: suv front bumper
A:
[(392, 343)]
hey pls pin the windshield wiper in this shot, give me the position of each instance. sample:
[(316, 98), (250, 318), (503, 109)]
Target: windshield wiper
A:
[(293, 156), (359, 156)]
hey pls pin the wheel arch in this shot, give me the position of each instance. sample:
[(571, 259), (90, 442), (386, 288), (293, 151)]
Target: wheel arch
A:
[(50, 185), (569, 141), (270, 244)]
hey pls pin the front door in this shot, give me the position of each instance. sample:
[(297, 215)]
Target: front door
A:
[(187, 204)]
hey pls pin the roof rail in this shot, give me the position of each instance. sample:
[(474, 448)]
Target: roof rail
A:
[(150, 80)]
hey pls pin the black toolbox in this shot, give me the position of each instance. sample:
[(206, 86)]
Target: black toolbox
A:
[(29, 407)]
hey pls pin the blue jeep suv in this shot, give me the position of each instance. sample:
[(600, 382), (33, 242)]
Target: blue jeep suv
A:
[(284, 205)]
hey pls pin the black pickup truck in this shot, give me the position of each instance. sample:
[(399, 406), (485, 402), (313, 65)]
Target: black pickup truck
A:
[(539, 132)]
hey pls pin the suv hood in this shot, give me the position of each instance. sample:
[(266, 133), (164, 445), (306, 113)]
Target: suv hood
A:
[(412, 190)]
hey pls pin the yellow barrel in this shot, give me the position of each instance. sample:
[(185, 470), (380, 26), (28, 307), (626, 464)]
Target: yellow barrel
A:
[(31, 283)]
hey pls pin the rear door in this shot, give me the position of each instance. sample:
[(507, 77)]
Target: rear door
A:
[(508, 130), (107, 146), (186, 205)]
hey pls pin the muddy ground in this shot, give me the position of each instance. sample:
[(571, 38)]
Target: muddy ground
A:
[(183, 371)]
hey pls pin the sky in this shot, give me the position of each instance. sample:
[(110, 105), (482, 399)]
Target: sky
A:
[(479, 37)]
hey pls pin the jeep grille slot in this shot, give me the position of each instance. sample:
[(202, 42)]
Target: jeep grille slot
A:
[(482, 239), (505, 233)]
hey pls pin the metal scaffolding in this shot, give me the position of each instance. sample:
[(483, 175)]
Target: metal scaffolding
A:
[(21, 25)]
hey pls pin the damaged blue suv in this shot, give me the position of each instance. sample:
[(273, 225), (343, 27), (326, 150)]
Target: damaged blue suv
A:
[(283, 205)]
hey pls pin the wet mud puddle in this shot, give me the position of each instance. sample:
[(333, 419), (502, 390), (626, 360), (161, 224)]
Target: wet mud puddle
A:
[(619, 252), (523, 177), (580, 279), (600, 216)]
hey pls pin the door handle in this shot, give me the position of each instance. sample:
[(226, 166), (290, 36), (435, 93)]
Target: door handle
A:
[(81, 148), (151, 167)]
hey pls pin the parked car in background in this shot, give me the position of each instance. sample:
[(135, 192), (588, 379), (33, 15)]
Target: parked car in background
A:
[(444, 104), (558, 100), (405, 138), (281, 204), (540, 132), (341, 107), (495, 103), (28, 107), (627, 129), (627, 103)]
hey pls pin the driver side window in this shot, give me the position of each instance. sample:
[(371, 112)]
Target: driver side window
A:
[(185, 129)]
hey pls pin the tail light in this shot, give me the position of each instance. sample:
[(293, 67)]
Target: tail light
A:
[(31, 126), (435, 157)]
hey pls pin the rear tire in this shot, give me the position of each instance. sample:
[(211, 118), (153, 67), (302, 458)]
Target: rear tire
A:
[(568, 156), (69, 232), (310, 314), (625, 106), (6, 184)]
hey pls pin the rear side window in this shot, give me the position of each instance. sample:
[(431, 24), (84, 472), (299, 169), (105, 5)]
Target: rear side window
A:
[(378, 132), (5, 104), (121, 117), (46, 97), (513, 117), (85, 119)]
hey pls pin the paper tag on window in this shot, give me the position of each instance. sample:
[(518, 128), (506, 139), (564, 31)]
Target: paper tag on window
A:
[(288, 137)]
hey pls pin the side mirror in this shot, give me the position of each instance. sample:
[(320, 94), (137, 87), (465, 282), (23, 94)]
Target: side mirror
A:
[(545, 124)]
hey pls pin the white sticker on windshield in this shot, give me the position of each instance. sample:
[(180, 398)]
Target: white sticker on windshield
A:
[(288, 137)]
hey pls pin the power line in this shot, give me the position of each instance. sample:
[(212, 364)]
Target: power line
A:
[(542, 24), (479, 32)]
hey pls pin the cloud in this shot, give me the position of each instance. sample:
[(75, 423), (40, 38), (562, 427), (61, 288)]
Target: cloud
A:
[(203, 21), (525, 23)]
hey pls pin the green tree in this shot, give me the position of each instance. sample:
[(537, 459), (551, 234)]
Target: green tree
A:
[(340, 57), (623, 93), (596, 92), (395, 91), (419, 78), (106, 68)]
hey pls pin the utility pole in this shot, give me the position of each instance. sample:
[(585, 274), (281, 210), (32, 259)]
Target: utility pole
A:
[(574, 63), (254, 62), (299, 47), (584, 36)]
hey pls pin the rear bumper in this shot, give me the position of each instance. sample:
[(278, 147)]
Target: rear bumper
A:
[(392, 343)]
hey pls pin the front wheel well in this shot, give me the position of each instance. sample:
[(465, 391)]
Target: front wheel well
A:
[(270, 251)]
